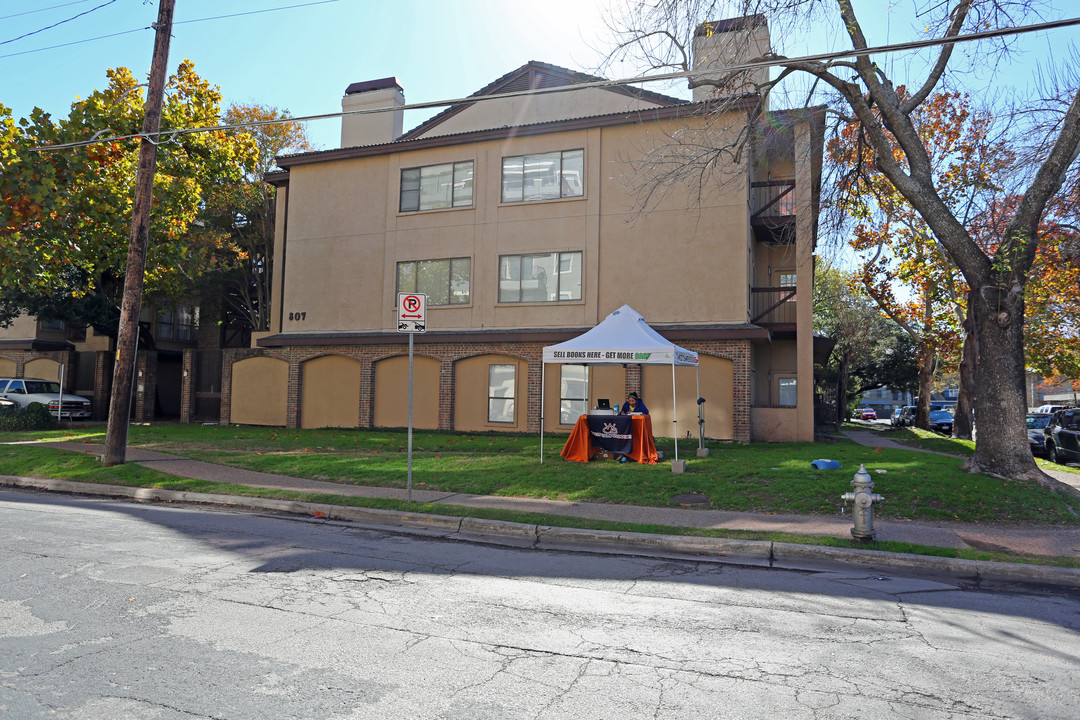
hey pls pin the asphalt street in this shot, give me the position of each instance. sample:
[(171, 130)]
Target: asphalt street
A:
[(112, 610), (1045, 540)]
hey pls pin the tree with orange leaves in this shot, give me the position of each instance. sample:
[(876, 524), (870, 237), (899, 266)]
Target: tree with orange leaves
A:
[(1052, 295), (863, 90), (902, 266)]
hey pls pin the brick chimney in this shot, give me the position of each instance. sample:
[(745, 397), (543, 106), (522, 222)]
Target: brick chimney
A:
[(730, 42), (372, 128)]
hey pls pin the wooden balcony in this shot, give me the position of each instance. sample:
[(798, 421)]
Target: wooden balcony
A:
[(773, 306), (772, 215)]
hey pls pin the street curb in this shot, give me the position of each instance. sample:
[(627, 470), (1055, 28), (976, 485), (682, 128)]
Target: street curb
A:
[(699, 548), (724, 550), (980, 570)]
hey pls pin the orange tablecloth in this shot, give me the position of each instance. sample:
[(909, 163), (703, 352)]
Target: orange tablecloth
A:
[(579, 447)]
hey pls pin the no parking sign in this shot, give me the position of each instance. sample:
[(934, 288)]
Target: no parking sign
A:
[(410, 312)]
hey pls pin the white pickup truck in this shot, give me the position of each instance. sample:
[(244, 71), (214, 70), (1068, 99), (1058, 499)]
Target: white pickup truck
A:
[(24, 391)]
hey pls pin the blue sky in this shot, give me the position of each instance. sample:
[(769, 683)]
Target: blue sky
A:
[(302, 58)]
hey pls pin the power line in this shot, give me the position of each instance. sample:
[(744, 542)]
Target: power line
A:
[(50, 27), (76, 42), (255, 12), (126, 32), (685, 74), (51, 7)]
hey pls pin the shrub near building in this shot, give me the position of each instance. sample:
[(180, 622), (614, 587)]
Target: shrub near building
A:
[(34, 416)]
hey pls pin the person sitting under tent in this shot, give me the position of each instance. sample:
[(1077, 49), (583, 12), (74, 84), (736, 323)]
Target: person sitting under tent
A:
[(633, 404)]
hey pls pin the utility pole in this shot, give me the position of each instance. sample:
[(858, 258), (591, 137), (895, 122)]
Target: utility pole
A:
[(128, 337)]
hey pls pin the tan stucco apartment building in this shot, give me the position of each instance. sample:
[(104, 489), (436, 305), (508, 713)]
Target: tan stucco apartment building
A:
[(521, 218)]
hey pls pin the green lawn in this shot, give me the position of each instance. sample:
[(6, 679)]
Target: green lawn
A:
[(929, 440), (771, 478)]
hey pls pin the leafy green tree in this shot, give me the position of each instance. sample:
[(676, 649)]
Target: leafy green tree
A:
[(65, 224), (871, 351), (236, 223)]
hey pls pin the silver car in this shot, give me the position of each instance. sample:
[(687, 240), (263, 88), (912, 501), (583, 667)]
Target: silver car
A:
[(25, 391)]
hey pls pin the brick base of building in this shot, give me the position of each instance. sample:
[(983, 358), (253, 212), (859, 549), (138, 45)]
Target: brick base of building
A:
[(448, 354)]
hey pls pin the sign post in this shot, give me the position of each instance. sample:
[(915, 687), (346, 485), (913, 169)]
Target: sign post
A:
[(411, 309), (60, 405)]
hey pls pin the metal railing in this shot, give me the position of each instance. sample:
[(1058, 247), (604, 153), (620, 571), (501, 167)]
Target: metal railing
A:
[(772, 305), (772, 199)]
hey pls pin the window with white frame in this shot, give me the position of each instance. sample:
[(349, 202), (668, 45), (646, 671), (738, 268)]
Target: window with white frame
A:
[(573, 393), (787, 388), (540, 277), (445, 281), (544, 176), (787, 280), (501, 384), (436, 187)]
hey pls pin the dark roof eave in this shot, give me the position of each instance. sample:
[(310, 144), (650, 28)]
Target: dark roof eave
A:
[(546, 335), (621, 118), (742, 331), (34, 344)]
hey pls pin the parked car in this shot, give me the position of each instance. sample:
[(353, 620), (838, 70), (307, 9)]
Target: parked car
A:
[(26, 391), (1062, 436), (866, 414), (906, 417), (941, 421), (5, 403), (1049, 409), (1035, 424)]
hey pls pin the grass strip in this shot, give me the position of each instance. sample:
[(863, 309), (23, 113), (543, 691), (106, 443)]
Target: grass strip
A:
[(758, 477), (43, 462)]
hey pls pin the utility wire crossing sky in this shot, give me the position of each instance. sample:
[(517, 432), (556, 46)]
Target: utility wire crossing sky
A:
[(300, 56), (898, 47)]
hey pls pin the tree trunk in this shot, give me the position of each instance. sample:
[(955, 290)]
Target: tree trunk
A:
[(841, 395), (926, 379), (963, 423), (1002, 446), (926, 364)]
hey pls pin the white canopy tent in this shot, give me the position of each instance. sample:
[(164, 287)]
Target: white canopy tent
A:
[(623, 338)]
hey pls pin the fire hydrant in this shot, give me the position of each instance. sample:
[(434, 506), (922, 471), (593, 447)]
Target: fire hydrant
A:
[(864, 497)]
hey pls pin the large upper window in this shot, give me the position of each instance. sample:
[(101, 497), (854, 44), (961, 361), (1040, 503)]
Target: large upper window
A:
[(437, 186), (543, 277), (547, 176), (445, 282), (178, 324)]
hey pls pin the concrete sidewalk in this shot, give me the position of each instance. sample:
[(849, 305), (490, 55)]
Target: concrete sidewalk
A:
[(1029, 540)]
